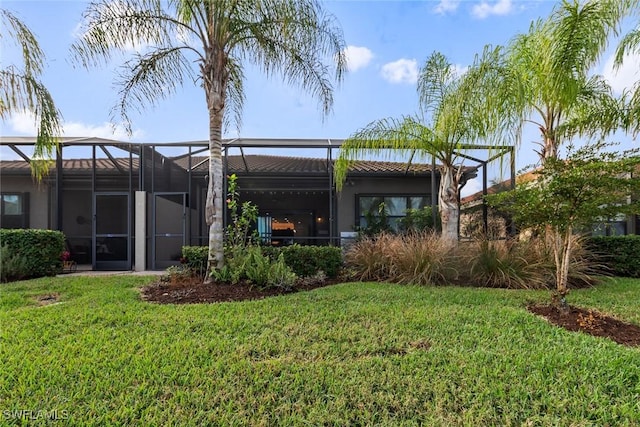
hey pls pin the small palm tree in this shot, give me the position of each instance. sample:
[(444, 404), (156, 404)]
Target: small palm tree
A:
[(292, 38), (453, 119), (22, 91), (551, 86)]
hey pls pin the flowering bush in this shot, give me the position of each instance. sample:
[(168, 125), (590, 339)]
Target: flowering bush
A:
[(65, 256)]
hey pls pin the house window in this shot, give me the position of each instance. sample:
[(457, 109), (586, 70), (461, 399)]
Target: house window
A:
[(14, 210), (395, 207), (616, 226)]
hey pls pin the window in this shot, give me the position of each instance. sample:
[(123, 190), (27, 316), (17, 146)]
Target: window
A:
[(395, 207), (14, 210), (616, 226)]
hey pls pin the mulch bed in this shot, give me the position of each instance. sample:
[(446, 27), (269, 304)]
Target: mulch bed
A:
[(591, 322), (193, 291), (189, 291)]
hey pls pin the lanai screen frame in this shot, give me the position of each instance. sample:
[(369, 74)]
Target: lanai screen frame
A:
[(330, 144)]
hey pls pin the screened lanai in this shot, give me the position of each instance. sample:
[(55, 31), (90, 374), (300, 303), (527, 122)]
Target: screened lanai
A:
[(123, 205)]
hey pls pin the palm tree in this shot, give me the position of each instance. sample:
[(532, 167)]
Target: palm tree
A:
[(22, 91), (453, 118), (630, 44), (291, 38), (551, 85)]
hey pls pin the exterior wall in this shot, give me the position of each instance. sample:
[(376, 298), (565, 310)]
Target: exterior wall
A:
[(38, 198), (346, 199)]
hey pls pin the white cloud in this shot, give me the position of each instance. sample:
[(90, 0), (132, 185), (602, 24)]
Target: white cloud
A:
[(357, 57), (401, 71), (485, 9), (25, 124), (446, 6), (625, 76)]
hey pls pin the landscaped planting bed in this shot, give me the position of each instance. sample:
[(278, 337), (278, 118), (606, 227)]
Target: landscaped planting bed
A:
[(357, 353)]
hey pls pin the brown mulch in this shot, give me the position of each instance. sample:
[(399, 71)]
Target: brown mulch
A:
[(192, 290), (589, 321)]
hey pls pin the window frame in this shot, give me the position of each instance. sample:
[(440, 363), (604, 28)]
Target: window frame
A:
[(359, 215), (21, 219)]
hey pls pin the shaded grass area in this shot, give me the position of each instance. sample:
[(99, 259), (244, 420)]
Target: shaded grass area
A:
[(358, 353)]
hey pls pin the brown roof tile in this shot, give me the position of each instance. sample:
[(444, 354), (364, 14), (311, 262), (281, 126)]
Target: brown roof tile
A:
[(256, 164)]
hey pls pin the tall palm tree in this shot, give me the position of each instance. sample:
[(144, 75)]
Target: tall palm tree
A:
[(453, 117), (294, 38), (22, 91), (551, 84)]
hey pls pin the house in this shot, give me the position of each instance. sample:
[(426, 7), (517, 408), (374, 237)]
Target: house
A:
[(498, 226), (123, 205)]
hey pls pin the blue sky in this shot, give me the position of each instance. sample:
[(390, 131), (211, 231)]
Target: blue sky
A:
[(388, 42)]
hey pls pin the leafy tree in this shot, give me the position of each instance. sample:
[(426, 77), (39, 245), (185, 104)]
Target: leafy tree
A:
[(454, 116), (569, 196), (293, 38), (22, 91), (550, 84)]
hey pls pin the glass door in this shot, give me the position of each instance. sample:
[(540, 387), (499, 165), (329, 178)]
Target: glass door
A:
[(111, 231)]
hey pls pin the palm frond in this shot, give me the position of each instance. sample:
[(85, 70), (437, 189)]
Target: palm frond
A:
[(22, 91), (294, 40), (147, 79), (385, 138)]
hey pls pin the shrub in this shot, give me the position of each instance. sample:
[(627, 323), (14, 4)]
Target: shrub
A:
[(196, 257), (419, 220), (620, 254), (507, 264), (249, 263), (369, 258), (424, 259), (307, 261), (176, 274), (41, 249), (12, 266), (416, 258)]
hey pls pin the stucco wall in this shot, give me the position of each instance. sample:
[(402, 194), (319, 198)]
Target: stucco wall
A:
[(38, 198)]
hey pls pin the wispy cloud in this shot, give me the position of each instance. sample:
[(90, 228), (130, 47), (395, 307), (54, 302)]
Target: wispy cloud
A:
[(401, 71), (25, 124), (446, 6), (357, 57), (486, 9), (624, 77)]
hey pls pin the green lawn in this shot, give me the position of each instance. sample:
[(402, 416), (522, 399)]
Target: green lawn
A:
[(352, 354)]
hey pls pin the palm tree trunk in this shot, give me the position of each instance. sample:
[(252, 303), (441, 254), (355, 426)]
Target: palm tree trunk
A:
[(448, 204), (214, 208)]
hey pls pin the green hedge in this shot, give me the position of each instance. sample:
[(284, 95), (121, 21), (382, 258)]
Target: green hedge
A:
[(41, 249), (303, 260), (308, 260), (621, 254)]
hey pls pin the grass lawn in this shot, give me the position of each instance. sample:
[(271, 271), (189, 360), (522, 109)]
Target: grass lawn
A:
[(351, 354)]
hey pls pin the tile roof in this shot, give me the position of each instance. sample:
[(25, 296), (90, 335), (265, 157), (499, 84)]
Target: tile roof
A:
[(255, 164)]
